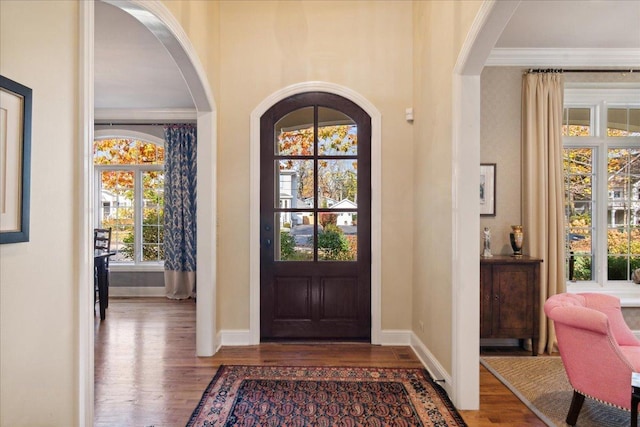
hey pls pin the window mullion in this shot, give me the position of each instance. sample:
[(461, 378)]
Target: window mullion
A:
[(601, 221), (137, 235)]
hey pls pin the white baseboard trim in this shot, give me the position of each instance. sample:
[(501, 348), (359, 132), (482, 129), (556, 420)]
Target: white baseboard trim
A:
[(437, 371), (243, 337), (234, 337), (136, 291), (395, 337)]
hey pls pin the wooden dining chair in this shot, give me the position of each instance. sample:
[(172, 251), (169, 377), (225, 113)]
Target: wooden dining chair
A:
[(102, 239), (101, 243)]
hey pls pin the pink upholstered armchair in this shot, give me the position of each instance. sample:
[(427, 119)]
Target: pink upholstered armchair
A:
[(598, 350)]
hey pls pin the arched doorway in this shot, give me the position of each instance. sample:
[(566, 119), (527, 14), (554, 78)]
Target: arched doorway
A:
[(159, 21)]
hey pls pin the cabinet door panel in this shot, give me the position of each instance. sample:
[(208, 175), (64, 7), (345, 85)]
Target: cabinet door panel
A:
[(486, 301), (513, 301)]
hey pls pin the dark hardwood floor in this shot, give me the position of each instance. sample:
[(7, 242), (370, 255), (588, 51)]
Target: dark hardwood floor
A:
[(147, 374)]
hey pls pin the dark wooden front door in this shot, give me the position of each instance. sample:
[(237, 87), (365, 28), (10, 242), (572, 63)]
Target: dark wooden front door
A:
[(315, 213)]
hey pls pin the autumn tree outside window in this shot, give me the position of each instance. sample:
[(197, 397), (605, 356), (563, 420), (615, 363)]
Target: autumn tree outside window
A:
[(130, 197)]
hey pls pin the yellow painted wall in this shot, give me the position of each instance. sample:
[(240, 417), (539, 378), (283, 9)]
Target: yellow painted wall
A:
[(440, 28), (265, 46), (249, 50), (200, 21), (38, 296)]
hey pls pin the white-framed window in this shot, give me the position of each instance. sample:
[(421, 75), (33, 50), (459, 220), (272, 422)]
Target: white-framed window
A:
[(601, 138), (129, 197)]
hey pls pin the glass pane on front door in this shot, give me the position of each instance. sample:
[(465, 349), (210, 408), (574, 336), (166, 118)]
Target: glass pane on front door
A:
[(337, 133), (294, 231), (294, 184), (338, 183), (338, 236), (294, 133)]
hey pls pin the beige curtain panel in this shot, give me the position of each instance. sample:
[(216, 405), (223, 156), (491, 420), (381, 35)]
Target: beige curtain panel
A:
[(543, 187)]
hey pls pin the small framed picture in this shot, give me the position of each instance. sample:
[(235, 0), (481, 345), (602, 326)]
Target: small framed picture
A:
[(15, 167), (488, 189)]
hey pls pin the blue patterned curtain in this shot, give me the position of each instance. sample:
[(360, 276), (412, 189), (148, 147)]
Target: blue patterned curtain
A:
[(180, 211)]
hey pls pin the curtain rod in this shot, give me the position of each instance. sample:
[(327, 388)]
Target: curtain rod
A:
[(596, 70)]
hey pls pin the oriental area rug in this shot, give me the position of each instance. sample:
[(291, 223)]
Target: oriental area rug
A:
[(324, 397), (541, 383)]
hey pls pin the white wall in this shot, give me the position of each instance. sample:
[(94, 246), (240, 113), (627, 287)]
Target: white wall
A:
[(38, 295)]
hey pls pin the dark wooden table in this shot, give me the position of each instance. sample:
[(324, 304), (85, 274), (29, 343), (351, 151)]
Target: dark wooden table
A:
[(101, 272)]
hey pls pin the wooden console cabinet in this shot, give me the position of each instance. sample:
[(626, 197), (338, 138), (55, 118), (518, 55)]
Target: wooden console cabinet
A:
[(510, 298)]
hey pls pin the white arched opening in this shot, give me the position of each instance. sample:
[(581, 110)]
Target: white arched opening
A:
[(254, 207), (488, 25), (158, 20)]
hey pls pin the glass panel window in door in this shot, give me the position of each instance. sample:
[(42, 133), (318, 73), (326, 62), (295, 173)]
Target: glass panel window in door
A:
[(294, 235), (294, 133), (337, 133), (294, 184), (337, 183), (338, 236)]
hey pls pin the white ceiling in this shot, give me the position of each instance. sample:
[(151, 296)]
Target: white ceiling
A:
[(134, 71), (589, 24)]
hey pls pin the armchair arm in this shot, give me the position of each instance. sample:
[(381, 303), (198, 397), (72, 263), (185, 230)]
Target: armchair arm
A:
[(578, 317)]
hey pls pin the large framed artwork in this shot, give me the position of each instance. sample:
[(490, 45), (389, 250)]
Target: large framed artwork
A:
[(488, 189), (15, 160)]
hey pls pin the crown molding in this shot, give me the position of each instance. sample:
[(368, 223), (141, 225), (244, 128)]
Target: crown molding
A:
[(531, 57), (124, 115)]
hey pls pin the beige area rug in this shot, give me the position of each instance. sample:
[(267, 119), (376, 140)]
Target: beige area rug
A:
[(542, 385)]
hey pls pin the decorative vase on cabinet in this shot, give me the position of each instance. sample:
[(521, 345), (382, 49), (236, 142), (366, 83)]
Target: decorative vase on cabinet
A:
[(516, 237)]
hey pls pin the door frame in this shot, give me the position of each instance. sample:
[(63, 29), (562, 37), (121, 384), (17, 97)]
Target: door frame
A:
[(376, 203)]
